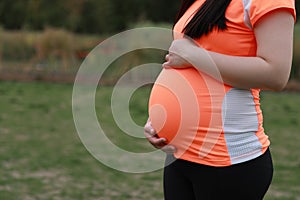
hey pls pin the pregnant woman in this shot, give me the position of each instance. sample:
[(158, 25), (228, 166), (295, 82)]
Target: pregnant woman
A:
[(204, 108)]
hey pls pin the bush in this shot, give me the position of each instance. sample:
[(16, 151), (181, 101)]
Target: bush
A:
[(55, 44), (16, 46), (295, 74), (55, 49), (58, 50)]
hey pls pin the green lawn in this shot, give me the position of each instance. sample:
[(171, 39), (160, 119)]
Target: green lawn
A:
[(42, 157)]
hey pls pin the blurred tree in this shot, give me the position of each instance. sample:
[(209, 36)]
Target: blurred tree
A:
[(53, 13), (129, 11), (34, 17), (97, 17), (74, 13), (88, 16), (163, 11), (12, 15), (44, 13), (298, 8)]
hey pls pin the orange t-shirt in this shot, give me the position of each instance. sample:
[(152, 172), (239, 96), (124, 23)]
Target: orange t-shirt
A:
[(210, 122)]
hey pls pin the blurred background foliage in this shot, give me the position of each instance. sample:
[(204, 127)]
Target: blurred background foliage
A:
[(83, 16), (43, 38), (55, 35)]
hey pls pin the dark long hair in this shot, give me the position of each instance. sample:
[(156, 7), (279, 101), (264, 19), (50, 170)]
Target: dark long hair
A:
[(209, 16)]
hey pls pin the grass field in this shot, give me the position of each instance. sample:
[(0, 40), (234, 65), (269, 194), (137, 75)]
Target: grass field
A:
[(42, 157)]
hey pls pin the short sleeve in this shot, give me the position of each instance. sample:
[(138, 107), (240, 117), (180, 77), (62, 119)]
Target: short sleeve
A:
[(259, 8)]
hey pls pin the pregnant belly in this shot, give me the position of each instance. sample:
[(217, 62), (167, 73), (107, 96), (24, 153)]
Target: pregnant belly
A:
[(177, 99)]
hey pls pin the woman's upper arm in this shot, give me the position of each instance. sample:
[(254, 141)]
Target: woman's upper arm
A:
[(274, 36)]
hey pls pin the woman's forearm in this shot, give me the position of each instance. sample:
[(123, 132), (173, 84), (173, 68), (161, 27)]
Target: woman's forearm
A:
[(241, 72), (252, 72), (270, 69)]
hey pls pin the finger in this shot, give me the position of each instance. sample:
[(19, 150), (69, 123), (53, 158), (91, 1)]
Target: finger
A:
[(166, 64), (157, 142), (149, 130), (153, 139), (167, 57)]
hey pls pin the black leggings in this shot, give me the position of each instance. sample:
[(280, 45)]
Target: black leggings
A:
[(185, 180)]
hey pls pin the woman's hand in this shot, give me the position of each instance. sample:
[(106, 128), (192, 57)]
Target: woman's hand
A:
[(157, 142), (177, 51)]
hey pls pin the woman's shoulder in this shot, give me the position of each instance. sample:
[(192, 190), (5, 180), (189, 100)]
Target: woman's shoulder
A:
[(256, 9)]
